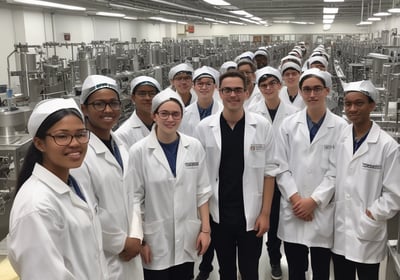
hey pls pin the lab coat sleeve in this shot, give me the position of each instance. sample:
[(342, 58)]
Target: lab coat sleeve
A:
[(272, 161), (285, 181), (114, 237), (204, 188), (388, 204), (35, 245)]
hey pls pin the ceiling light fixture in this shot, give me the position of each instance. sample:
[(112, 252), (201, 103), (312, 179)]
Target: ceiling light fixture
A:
[(250, 21), (380, 13), (374, 19), (162, 19), (182, 22), (362, 22), (326, 27), (217, 2), (235, 22), (330, 10), (50, 5), (241, 13), (256, 18), (328, 17), (128, 7), (333, 1), (327, 21), (107, 14), (395, 8), (131, 18)]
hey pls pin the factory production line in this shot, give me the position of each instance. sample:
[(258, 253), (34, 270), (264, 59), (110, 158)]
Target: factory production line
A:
[(42, 73)]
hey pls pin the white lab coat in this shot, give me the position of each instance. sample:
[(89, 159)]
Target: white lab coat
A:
[(53, 233), (284, 110), (255, 96), (101, 175), (298, 102), (191, 117), (169, 204), (368, 179), (308, 166), (132, 130), (259, 161)]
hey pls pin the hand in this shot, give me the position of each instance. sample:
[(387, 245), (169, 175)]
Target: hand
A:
[(131, 249), (369, 214), (146, 253), (202, 243), (262, 224), (304, 208)]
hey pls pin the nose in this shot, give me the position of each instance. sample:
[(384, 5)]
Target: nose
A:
[(108, 107)]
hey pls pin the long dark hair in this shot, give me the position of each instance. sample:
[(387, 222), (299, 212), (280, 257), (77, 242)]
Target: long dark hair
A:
[(33, 155)]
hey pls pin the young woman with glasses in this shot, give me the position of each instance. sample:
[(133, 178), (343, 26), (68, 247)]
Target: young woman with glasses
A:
[(52, 217)]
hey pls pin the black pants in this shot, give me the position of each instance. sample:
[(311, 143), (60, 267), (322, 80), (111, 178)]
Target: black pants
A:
[(206, 261), (273, 242), (181, 271), (346, 269), (232, 240), (297, 259)]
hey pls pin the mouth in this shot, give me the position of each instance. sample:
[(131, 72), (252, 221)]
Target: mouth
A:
[(74, 155)]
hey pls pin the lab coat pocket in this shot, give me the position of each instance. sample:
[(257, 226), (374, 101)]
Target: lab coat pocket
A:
[(323, 220), (325, 152), (370, 229), (156, 237), (257, 155), (192, 229)]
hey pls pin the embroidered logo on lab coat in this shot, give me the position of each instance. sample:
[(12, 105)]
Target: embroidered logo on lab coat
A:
[(193, 164), (257, 147), (371, 166)]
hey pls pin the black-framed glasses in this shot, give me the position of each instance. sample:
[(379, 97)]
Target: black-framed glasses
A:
[(100, 105), (64, 139), (144, 93), (316, 90), (228, 90), (164, 115), (271, 84)]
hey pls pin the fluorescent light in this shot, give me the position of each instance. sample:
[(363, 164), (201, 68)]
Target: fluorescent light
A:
[(326, 27), (131, 18), (217, 2), (249, 20), (299, 22), (281, 21), (162, 19), (241, 13), (107, 14), (331, 10), (328, 17), (210, 19), (327, 21), (263, 22), (364, 23), (394, 10), (128, 7), (50, 4), (374, 19), (256, 18), (235, 22), (333, 1), (182, 22), (382, 14)]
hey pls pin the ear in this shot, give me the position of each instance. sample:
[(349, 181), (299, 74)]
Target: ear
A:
[(84, 109), (39, 144)]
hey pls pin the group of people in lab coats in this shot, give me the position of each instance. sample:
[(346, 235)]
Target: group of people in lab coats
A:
[(211, 163)]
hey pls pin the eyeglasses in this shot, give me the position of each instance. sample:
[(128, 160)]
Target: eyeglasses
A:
[(357, 104), (183, 78), (164, 115), (268, 85), (316, 90), (64, 139), (101, 105), (143, 93), (208, 85), (228, 90)]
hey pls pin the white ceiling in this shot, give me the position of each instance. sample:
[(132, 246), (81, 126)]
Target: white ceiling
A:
[(194, 11)]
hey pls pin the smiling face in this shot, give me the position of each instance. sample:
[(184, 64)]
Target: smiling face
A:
[(291, 78), (182, 82), (100, 122), (358, 107), (233, 94), (142, 98), (59, 159), (168, 117), (270, 88), (204, 88), (314, 93)]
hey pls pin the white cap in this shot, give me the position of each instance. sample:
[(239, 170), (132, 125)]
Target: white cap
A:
[(262, 51), (290, 65), (292, 58), (319, 59), (206, 71), (45, 108), (95, 82), (144, 80), (298, 51), (366, 87), (245, 55), (226, 65), (320, 53), (164, 96), (324, 75), (183, 67), (270, 71)]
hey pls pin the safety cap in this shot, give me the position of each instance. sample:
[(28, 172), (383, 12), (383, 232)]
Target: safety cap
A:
[(365, 87), (164, 96), (290, 65), (144, 80), (45, 108), (316, 59), (95, 82), (268, 71), (246, 55), (315, 72), (291, 58), (226, 66), (206, 71), (262, 51), (183, 67)]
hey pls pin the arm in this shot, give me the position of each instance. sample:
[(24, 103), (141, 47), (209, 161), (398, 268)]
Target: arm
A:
[(204, 238), (262, 221)]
